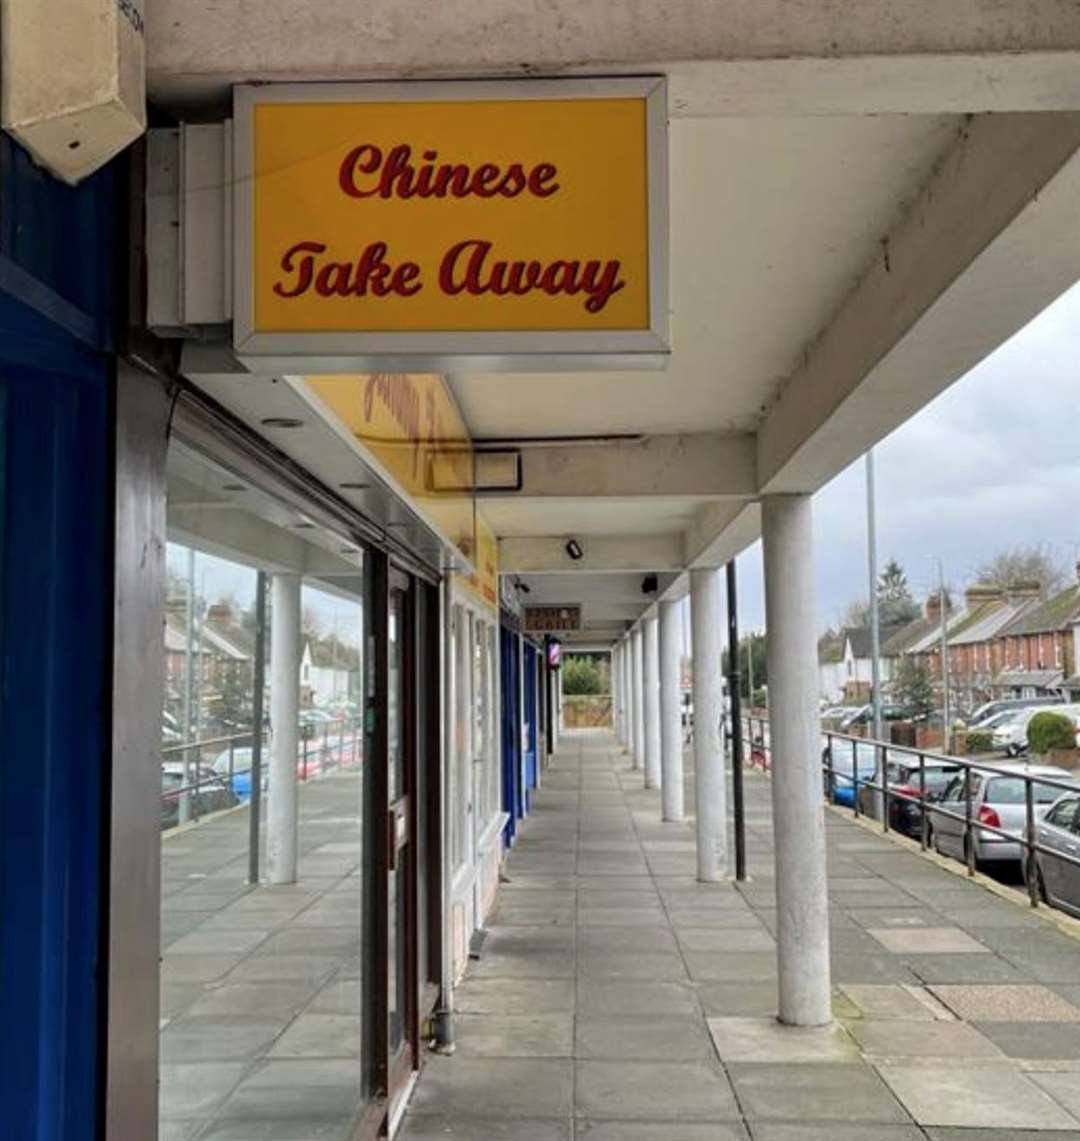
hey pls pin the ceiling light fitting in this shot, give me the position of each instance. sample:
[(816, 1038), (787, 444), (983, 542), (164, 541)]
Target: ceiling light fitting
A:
[(573, 549)]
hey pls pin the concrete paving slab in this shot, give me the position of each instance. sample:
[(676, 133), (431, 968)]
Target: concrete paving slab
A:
[(892, 1038), (601, 997), (627, 964), (643, 1038), (973, 1096), (927, 941), (651, 1130), (495, 1088), (772, 1131), (514, 1035), (1006, 1003), (893, 1001), (807, 1093), (657, 1091), (1064, 1088), (514, 996), (967, 969), (1043, 1040), (425, 1128), (726, 939), (736, 966), (767, 1040)]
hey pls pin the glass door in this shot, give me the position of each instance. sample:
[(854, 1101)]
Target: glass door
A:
[(402, 1024)]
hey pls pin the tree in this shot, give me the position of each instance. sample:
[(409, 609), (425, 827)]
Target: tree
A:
[(914, 687), (895, 603), (580, 675), (1034, 563), (752, 650)]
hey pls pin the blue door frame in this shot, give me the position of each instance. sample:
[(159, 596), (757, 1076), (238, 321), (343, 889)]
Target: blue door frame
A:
[(531, 707), (57, 247), (513, 792)]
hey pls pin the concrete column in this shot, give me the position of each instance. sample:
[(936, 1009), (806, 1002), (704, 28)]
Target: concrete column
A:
[(798, 813), (651, 653), (281, 814), (616, 693), (559, 688), (637, 688), (671, 759), (624, 690), (709, 779)]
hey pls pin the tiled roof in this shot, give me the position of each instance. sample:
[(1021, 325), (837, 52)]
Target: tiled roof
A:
[(903, 639), (1055, 613), (987, 621), (1042, 679)]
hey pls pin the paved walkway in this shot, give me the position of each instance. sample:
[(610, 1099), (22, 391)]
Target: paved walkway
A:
[(615, 999)]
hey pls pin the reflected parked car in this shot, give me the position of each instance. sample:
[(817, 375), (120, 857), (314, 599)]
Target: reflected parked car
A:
[(998, 801), (846, 755), (1057, 879), (209, 793), (904, 778)]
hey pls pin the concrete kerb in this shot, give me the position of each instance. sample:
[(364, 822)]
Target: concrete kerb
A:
[(1046, 914)]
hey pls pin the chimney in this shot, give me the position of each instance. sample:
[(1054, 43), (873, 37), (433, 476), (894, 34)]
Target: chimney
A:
[(932, 607), (980, 593), (219, 614), (1023, 589)]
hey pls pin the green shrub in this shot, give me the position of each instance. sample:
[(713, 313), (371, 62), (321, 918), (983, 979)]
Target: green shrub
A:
[(980, 741), (581, 675), (1048, 731)]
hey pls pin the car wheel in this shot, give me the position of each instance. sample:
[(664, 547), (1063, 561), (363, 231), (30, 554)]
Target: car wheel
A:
[(1011, 750)]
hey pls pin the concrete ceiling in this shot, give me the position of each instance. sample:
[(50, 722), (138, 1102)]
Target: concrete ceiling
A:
[(772, 223)]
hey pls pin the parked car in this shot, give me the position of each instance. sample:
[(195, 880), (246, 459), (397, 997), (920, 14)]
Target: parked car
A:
[(209, 794), (998, 801), (979, 719), (1058, 879), (241, 769), (902, 774), (844, 763), (1011, 734)]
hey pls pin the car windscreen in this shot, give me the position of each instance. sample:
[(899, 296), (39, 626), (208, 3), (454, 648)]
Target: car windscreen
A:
[(1010, 790)]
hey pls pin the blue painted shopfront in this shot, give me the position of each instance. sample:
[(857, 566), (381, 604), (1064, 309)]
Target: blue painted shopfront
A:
[(57, 293), (530, 734), (513, 786)]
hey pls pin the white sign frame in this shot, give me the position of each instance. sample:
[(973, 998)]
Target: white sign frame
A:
[(511, 351)]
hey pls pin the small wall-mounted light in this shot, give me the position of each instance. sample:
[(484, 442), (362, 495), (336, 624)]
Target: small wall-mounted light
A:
[(573, 549), (281, 422), (649, 584), (522, 586)]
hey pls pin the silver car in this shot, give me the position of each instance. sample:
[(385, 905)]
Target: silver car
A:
[(997, 801), (1057, 879)]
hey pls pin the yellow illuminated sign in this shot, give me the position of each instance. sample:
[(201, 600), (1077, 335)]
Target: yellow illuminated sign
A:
[(410, 217), (410, 424), (483, 583)]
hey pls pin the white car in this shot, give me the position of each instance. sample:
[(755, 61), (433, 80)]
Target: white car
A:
[(1011, 734)]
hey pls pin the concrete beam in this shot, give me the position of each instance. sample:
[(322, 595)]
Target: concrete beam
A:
[(824, 49), (711, 465), (600, 553), (720, 531), (991, 240)]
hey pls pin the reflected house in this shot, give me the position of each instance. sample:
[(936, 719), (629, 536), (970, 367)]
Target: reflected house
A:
[(329, 672), (224, 650)]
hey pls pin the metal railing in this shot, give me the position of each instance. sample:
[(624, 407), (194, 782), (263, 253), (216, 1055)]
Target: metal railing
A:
[(323, 747), (755, 733)]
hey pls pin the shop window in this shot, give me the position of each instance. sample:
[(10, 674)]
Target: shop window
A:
[(262, 985)]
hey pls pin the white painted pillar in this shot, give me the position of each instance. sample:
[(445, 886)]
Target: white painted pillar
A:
[(709, 780), (671, 757), (638, 689), (651, 652), (616, 693), (624, 690), (281, 813), (798, 812), (559, 686)]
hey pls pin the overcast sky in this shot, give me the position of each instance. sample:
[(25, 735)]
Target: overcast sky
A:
[(993, 463)]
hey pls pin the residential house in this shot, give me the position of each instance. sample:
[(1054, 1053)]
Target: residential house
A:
[(1038, 649), (222, 652), (329, 672), (845, 663)]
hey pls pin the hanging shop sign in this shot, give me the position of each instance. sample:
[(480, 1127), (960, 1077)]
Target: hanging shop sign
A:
[(407, 425), (552, 619), (483, 583), (505, 225)]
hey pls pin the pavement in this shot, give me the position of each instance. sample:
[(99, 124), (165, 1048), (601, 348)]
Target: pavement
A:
[(617, 999), (261, 986)]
